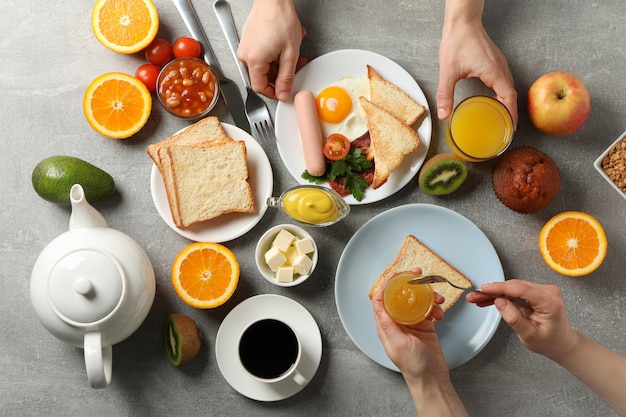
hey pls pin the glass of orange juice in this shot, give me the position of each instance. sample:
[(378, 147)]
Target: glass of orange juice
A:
[(480, 128), (407, 303)]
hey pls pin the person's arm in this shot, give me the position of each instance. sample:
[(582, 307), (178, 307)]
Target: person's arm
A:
[(270, 47), (600, 368), (465, 51), (547, 331), (417, 353)]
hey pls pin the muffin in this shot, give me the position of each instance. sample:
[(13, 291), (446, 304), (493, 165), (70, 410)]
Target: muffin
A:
[(526, 180)]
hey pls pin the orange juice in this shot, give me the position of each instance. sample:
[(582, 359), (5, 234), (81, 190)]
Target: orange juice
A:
[(480, 128), (407, 303)]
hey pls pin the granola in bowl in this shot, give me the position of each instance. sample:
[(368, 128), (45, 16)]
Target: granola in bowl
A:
[(612, 164)]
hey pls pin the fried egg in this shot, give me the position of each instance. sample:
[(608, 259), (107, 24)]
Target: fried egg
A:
[(339, 109)]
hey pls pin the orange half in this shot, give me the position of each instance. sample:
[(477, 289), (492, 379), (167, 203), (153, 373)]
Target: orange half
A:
[(125, 26), (573, 243), (205, 274), (117, 105)]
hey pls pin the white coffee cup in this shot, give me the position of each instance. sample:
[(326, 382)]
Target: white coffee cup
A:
[(270, 351)]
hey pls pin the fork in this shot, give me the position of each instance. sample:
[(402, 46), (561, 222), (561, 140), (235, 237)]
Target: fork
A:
[(256, 109), (432, 279)]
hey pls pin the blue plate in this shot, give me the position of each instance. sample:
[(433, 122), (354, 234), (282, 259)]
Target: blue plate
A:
[(466, 329)]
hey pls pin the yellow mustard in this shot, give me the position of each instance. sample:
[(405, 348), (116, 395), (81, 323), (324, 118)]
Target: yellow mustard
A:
[(310, 205)]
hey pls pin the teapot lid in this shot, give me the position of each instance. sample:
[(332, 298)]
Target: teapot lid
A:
[(86, 286)]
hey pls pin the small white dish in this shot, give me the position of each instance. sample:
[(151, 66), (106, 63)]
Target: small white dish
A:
[(265, 243), (256, 308), (598, 165)]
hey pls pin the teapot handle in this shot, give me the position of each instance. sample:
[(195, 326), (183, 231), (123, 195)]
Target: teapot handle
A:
[(98, 360)]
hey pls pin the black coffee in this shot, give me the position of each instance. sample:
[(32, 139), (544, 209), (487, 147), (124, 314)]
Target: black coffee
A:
[(268, 348)]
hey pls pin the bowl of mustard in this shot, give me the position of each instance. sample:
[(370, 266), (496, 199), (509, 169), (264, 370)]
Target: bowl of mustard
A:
[(311, 205)]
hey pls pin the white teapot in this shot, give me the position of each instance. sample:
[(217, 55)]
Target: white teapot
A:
[(92, 287)]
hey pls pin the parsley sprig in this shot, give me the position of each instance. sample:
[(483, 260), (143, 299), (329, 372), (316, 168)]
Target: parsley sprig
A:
[(347, 167)]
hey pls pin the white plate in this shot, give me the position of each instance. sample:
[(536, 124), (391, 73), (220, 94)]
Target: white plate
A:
[(466, 328), (249, 311), (324, 71), (232, 225)]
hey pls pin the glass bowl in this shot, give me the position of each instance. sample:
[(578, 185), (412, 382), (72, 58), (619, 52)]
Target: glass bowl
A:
[(311, 205), (188, 88)]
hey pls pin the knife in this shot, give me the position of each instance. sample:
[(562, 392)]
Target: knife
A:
[(229, 90)]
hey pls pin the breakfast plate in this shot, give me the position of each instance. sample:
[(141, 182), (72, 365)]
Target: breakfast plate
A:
[(466, 329), (246, 313), (327, 69), (232, 225)]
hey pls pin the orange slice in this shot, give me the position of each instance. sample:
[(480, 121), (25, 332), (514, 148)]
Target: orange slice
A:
[(573, 243), (125, 26), (205, 274), (117, 105)]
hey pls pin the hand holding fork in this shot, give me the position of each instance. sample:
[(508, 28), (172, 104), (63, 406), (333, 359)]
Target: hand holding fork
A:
[(256, 109)]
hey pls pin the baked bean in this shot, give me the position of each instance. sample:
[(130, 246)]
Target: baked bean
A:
[(187, 87)]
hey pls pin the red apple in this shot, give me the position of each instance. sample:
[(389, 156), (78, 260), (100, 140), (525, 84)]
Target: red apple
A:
[(558, 103)]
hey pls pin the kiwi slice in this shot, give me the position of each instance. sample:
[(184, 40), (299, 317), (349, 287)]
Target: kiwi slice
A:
[(442, 174), (182, 339)]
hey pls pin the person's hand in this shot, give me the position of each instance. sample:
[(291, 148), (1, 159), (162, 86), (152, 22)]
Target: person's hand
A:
[(270, 47), (546, 330), (414, 349), (466, 51)]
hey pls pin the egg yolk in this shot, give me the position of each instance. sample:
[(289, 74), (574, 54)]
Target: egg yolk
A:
[(333, 104)]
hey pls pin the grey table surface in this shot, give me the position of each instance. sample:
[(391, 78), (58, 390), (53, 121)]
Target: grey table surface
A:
[(49, 55)]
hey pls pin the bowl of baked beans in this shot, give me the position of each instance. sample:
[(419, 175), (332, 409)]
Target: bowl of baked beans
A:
[(188, 88)]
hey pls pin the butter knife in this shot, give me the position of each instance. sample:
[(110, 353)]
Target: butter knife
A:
[(228, 89)]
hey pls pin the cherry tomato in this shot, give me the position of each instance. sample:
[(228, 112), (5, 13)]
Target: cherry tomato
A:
[(336, 147), (187, 47), (159, 52), (148, 74)]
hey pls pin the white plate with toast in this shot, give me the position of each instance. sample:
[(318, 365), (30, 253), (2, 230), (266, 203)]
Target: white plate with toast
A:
[(232, 225), (465, 329), (327, 69)]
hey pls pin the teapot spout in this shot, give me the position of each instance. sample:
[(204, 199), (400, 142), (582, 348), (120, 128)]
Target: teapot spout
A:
[(83, 214)]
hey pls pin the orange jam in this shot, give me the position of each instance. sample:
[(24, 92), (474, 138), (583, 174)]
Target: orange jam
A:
[(407, 303), (188, 87)]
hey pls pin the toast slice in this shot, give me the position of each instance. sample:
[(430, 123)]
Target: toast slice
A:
[(208, 128), (209, 180), (391, 98), (414, 254), (167, 173), (391, 140)]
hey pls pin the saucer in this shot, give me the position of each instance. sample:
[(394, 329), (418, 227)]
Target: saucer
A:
[(249, 311)]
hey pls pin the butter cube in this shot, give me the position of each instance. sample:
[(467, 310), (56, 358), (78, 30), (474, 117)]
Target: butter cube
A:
[(291, 255), (302, 265), (283, 240), (304, 246), (274, 258), (284, 274)]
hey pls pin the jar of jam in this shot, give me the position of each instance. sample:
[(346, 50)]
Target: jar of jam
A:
[(188, 88), (406, 303)]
